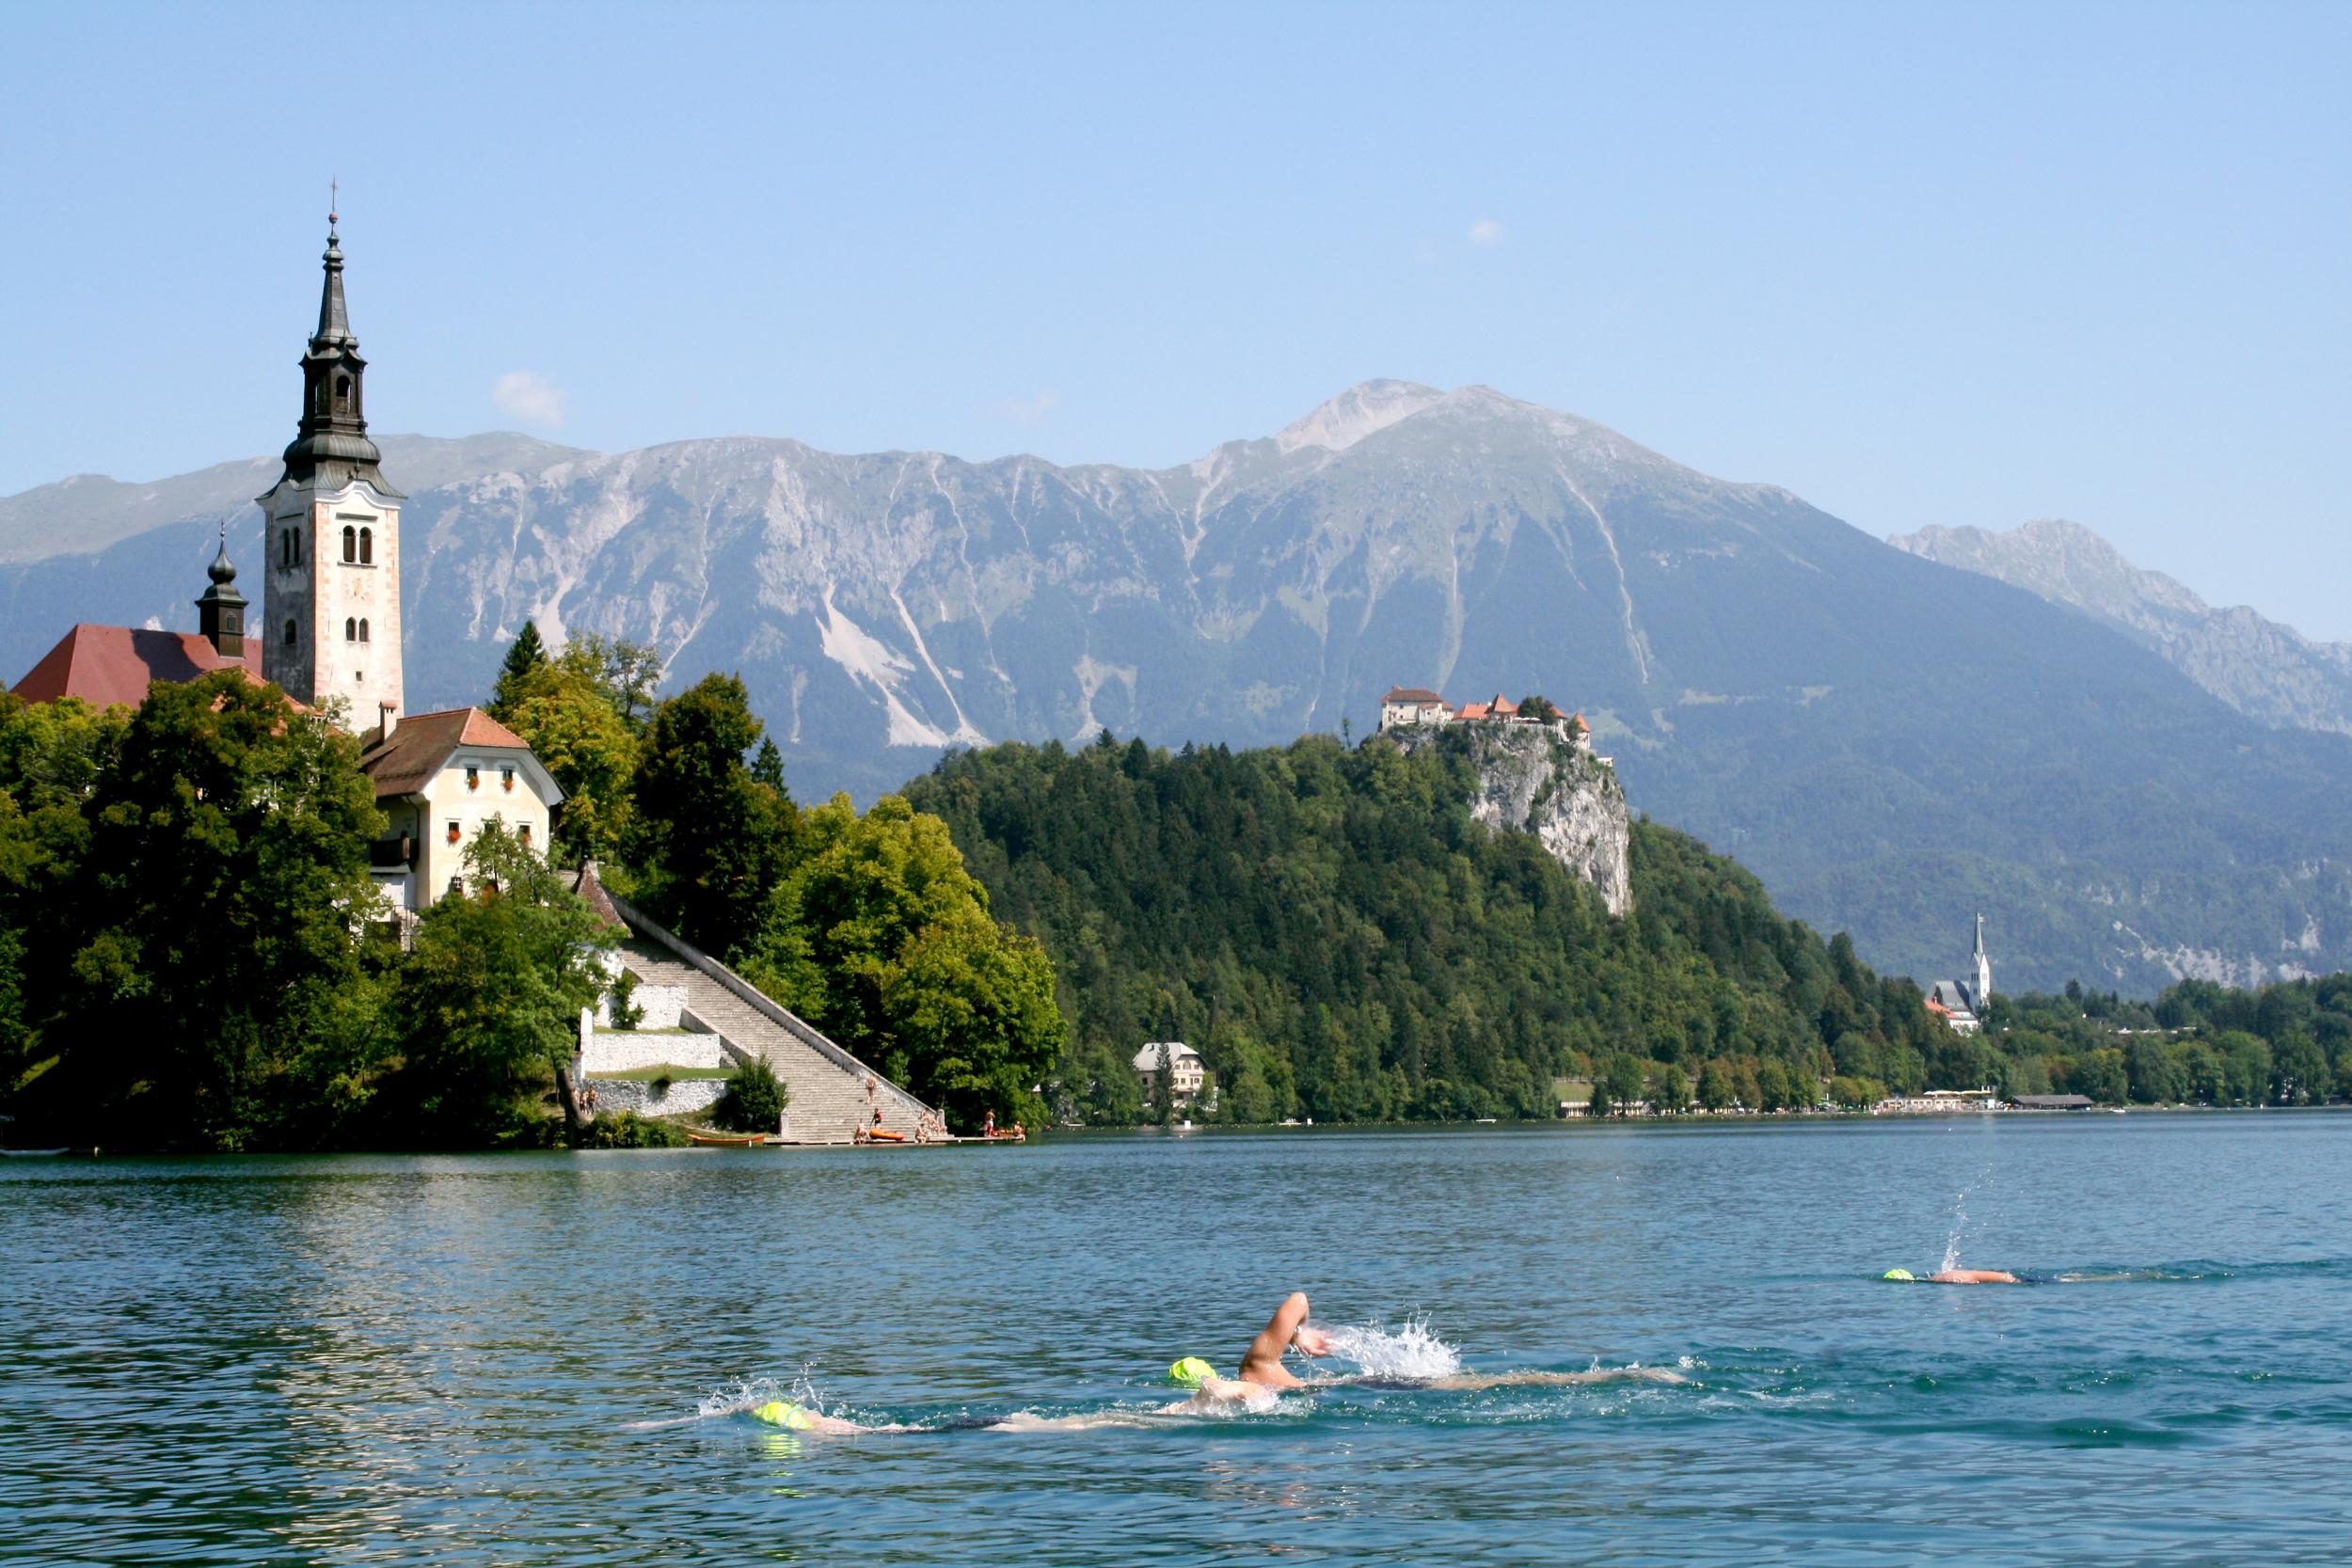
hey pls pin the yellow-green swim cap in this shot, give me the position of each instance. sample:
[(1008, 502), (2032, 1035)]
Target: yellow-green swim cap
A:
[(1898, 1275), (1190, 1373), (783, 1413)]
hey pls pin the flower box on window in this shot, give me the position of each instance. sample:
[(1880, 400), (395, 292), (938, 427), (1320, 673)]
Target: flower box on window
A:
[(453, 832), (473, 778)]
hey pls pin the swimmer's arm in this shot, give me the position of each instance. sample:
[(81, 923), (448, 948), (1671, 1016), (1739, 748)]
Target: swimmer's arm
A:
[(1288, 1323)]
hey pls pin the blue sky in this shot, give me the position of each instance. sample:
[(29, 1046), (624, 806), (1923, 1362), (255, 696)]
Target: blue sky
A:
[(1920, 264)]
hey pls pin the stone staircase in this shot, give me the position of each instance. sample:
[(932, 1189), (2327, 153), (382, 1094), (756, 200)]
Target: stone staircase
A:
[(828, 1085)]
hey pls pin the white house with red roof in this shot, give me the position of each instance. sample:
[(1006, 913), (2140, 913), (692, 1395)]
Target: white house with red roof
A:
[(440, 779)]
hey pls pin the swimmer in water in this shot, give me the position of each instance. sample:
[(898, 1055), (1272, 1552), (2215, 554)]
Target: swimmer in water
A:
[(1263, 1375), (1955, 1277)]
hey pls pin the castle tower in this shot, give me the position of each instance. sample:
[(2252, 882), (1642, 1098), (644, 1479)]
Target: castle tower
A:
[(1984, 971), (330, 624)]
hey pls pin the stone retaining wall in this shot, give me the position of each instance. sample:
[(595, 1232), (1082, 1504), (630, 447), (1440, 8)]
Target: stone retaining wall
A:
[(624, 1050), (653, 1100)]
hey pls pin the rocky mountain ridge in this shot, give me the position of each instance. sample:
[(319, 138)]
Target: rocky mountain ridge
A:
[(1889, 743), (2262, 668)]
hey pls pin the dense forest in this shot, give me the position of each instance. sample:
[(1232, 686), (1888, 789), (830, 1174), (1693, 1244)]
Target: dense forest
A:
[(1339, 940)]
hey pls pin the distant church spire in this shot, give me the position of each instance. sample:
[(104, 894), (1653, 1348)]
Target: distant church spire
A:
[(332, 442), (220, 612), (1984, 970)]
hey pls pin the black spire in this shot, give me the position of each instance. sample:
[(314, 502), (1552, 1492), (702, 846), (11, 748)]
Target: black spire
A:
[(220, 613), (333, 441)]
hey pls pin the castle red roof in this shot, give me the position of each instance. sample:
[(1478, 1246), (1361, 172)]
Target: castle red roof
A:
[(113, 666), (1410, 694)]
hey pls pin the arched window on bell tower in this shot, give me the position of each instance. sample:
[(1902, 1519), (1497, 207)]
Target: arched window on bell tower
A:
[(350, 544), (290, 632), (363, 628), (367, 546), (351, 629)]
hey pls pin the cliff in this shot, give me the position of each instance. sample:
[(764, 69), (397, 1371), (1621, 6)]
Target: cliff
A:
[(1532, 781)]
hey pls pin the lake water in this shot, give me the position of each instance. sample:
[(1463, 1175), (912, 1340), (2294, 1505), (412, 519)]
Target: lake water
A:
[(399, 1360)]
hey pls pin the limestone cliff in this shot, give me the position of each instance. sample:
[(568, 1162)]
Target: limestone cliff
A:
[(1532, 781)]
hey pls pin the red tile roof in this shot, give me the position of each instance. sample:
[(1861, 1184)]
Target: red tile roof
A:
[(421, 746), (113, 666), (1410, 694)]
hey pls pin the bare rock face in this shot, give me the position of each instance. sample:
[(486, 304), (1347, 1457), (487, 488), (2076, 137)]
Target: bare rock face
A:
[(1533, 781)]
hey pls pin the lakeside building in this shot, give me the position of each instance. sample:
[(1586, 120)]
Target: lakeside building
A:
[(1961, 1004), (328, 635), (1186, 1073)]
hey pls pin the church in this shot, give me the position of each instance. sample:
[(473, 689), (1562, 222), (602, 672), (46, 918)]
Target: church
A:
[(328, 635)]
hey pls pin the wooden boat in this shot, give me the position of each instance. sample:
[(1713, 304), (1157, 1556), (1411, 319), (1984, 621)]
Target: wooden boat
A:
[(724, 1140)]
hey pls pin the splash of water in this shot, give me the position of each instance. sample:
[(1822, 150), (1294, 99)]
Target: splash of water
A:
[(1960, 1221), (1411, 1351), (751, 1393)]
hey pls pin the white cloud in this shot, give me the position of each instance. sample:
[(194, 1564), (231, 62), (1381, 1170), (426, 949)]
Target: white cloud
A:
[(1485, 231), (1028, 412), (530, 397)]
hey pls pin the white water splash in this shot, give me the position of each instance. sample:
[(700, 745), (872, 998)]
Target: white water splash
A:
[(751, 1393), (1959, 1221), (1412, 1351)]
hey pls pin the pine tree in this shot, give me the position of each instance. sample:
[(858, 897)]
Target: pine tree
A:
[(525, 654), (768, 765)]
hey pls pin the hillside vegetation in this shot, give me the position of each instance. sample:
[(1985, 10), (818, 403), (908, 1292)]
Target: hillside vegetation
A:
[(1339, 939)]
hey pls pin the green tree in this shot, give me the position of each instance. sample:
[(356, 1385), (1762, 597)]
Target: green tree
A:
[(882, 939), (581, 738), (1674, 1090), (525, 657), (768, 766), (710, 845), (1715, 1091), (754, 1099), (219, 993), (629, 674), (487, 1006)]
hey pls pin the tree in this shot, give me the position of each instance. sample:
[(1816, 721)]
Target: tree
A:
[(709, 844), (1674, 1090), (488, 1004), (581, 738), (881, 938), (1715, 1091), (1539, 706), (1161, 1101), (217, 990), (525, 657), (754, 1099), (626, 673), (768, 766)]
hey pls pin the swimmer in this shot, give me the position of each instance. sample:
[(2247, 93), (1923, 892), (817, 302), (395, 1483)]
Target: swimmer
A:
[(1263, 1375), (1955, 1277)]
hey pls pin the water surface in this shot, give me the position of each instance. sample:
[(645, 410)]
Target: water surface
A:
[(402, 1359)]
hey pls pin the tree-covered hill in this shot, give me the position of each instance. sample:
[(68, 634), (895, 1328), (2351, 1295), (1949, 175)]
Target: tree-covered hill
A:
[(1339, 940)]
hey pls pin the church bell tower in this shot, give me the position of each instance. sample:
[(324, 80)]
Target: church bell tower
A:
[(330, 623)]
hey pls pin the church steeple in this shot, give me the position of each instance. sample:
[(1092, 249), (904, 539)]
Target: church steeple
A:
[(220, 612), (332, 444)]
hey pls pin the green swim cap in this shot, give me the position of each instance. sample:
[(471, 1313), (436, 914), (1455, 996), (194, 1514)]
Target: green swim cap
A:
[(1898, 1275), (783, 1413), (1190, 1373)]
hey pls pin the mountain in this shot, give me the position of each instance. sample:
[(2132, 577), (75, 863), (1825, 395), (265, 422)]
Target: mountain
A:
[(1891, 744), (2264, 669)]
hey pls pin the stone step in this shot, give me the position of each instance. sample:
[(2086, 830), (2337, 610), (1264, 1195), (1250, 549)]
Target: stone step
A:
[(828, 1101)]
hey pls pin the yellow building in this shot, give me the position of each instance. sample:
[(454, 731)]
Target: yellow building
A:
[(440, 778)]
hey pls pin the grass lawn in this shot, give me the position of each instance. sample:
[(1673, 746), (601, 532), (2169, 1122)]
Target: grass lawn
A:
[(676, 1074)]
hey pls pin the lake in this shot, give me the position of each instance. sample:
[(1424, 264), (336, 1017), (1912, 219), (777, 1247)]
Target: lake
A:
[(368, 1359)]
